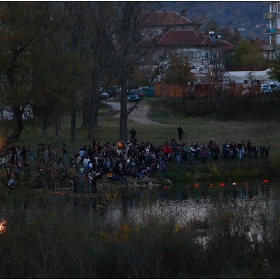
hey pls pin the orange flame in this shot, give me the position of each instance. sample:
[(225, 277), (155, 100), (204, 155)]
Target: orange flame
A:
[(2, 226)]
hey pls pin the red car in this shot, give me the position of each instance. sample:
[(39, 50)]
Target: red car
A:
[(138, 92)]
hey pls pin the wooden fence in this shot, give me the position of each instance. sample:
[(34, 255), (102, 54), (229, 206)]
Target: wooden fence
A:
[(201, 90)]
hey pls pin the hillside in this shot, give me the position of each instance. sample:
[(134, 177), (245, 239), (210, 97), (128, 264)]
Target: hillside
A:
[(246, 16)]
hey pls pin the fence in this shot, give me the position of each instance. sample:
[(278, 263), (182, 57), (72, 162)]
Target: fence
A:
[(203, 90)]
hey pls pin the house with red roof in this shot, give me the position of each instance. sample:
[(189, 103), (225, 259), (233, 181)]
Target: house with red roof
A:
[(170, 33), (157, 23)]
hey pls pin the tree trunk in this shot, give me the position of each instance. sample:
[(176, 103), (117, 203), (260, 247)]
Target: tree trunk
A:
[(45, 126), (56, 129), (91, 115), (57, 125), (96, 114), (85, 115), (123, 114), (59, 121), (73, 125)]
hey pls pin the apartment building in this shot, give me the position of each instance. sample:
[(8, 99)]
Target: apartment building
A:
[(273, 16), (169, 33)]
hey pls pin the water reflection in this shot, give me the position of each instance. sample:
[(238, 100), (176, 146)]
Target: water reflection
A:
[(181, 206)]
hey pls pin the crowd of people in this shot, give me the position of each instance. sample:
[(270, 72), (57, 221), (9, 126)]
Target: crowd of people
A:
[(83, 166)]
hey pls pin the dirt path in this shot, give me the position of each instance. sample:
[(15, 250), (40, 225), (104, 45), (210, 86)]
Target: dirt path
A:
[(139, 114)]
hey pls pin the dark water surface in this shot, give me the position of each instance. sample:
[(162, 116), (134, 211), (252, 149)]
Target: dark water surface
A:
[(190, 203)]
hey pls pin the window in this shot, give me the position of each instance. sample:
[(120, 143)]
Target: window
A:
[(278, 8), (195, 55), (272, 8), (155, 56), (192, 54), (278, 40), (154, 33), (278, 23)]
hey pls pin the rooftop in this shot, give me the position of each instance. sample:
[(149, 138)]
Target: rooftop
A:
[(166, 18)]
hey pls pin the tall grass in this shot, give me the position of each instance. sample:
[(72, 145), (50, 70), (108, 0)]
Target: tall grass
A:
[(51, 237)]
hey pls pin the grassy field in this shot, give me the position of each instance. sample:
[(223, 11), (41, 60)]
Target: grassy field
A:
[(194, 130)]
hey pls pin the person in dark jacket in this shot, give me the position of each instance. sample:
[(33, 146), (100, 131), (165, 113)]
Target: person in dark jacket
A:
[(132, 134), (180, 133), (23, 153)]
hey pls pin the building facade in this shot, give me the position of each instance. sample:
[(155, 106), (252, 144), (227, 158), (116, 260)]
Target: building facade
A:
[(170, 34), (273, 17)]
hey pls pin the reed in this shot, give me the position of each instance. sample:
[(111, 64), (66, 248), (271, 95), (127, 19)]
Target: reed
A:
[(50, 236)]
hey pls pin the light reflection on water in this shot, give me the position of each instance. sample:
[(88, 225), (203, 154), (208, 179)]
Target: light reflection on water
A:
[(138, 208)]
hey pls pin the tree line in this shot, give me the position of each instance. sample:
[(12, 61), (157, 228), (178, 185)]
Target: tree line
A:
[(55, 56)]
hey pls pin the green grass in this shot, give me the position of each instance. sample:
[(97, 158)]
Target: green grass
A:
[(195, 129)]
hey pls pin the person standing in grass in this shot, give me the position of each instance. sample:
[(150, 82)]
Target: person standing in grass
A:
[(185, 150), (3, 162), (23, 153), (162, 168), (203, 154), (266, 151), (64, 152), (239, 149), (180, 133), (132, 134), (178, 152), (46, 156)]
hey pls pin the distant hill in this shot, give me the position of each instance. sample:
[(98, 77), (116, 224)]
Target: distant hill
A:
[(247, 16)]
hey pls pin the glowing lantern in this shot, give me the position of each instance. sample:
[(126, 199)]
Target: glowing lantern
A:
[(246, 184), (165, 187), (211, 185), (222, 184), (235, 184), (265, 181), (196, 185)]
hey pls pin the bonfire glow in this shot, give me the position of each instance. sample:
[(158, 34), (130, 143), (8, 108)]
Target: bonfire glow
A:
[(2, 226)]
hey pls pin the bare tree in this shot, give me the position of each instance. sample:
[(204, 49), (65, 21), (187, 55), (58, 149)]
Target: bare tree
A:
[(130, 19), (24, 25)]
